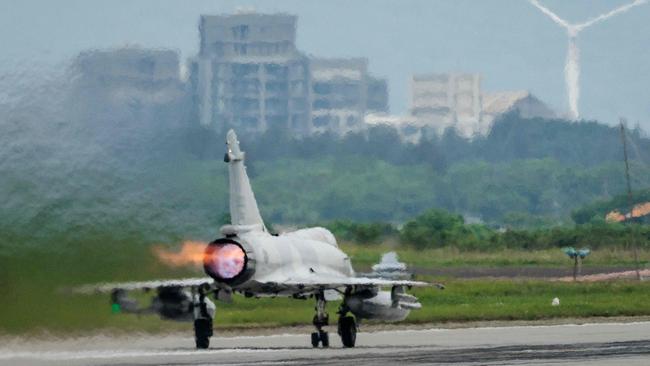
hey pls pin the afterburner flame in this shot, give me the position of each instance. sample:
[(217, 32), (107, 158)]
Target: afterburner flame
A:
[(225, 260), (191, 254)]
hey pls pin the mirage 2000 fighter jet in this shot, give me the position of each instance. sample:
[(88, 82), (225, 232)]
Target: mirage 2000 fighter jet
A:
[(248, 260)]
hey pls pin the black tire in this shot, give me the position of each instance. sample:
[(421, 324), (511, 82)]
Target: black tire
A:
[(315, 339), (202, 333), (348, 331), (325, 339), (202, 343)]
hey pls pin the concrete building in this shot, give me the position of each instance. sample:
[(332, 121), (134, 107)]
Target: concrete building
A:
[(129, 75), (128, 97), (342, 93), (248, 74), (447, 100), (441, 101)]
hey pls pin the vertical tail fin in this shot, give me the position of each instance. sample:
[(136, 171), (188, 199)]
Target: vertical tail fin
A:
[(243, 207)]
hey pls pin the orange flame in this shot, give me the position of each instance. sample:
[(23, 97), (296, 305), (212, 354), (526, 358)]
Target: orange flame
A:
[(638, 210), (191, 253), (614, 216), (641, 209)]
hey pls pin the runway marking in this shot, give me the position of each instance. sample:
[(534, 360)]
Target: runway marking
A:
[(504, 327), (437, 330), (82, 355)]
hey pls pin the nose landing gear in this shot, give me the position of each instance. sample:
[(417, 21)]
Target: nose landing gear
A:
[(321, 319), (203, 314)]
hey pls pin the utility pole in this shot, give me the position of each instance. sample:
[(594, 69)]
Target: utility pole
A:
[(629, 199)]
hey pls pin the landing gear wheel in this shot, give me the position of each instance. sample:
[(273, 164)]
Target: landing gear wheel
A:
[(315, 339), (320, 320), (324, 339), (348, 331), (202, 333), (320, 337)]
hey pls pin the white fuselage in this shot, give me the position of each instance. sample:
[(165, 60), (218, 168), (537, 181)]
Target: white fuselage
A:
[(296, 255)]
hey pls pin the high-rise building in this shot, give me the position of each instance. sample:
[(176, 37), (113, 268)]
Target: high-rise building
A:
[(248, 74), (343, 92)]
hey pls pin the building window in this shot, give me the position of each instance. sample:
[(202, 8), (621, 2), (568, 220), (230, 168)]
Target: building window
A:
[(240, 32), (321, 104), (321, 121), (218, 48), (322, 88), (241, 49), (146, 66)]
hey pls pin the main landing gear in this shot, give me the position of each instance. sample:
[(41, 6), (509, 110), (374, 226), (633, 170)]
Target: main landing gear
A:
[(202, 320), (347, 326)]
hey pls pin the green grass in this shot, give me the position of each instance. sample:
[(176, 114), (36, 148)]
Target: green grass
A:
[(462, 300), (475, 300), (32, 300), (367, 255), (471, 300)]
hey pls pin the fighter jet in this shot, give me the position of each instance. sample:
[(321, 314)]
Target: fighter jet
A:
[(248, 260)]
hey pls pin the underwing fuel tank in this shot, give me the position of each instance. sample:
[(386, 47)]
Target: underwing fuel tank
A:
[(394, 305)]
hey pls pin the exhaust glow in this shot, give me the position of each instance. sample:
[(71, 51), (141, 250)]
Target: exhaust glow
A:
[(225, 261), (191, 254)]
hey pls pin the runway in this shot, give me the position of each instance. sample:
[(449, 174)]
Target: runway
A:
[(590, 344)]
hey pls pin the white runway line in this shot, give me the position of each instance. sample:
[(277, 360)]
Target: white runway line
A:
[(513, 327), (87, 355)]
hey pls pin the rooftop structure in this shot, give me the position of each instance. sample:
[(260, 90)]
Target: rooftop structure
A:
[(242, 36), (522, 101)]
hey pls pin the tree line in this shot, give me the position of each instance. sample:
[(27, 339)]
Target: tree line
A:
[(583, 144), (437, 228)]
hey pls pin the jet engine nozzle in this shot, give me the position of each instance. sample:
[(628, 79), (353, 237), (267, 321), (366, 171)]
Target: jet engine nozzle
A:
[(227, 261)]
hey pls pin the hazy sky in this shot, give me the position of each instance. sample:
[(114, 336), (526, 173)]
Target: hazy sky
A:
[(509, 42)]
